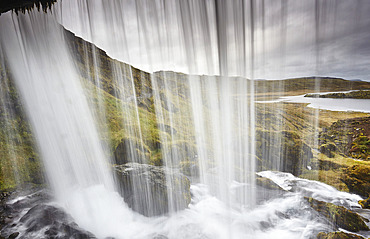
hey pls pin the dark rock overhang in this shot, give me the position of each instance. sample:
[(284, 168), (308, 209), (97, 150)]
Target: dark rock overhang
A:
[(25, 5)]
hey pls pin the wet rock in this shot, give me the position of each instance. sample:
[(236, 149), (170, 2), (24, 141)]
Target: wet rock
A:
[(146, 189), (340, 216), (127, 150), (292, 153), (357, 179), (267, 183), (54, 221), (13, 235), (337, 235), (189, 168)]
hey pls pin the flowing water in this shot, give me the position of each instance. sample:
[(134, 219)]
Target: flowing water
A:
[(207, 120)]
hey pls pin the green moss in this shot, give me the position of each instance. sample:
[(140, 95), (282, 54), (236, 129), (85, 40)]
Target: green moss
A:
[(365, 203)]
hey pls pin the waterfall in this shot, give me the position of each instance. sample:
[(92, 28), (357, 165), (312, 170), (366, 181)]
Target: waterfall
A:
[(188, 112), (180, 34)]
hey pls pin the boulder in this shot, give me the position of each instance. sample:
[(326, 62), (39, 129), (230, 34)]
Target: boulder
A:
[(340, 216), (152, 190), (338, 235), (357, 179), (52, 222)]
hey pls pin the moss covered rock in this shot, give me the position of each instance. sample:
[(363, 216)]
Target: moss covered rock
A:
[(357, 179), (340, 216), (328, 149), (365, 203), (281, 150), (145, 188), (338, 235), (350, 137)]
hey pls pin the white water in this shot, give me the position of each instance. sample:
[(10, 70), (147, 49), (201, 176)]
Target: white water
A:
[(280, 217), (57, 108)]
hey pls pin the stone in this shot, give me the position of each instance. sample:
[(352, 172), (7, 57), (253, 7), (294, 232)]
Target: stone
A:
[(54, 220), (127, 150), (340, 216), (145, 188)]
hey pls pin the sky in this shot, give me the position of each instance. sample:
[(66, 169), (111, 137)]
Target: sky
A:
[(260, 39)]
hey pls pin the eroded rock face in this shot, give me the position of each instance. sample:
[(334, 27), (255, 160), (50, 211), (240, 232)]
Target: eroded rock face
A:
[(147, 189), (340, 216)]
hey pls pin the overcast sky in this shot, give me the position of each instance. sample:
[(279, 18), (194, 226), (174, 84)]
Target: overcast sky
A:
[(263, 39)]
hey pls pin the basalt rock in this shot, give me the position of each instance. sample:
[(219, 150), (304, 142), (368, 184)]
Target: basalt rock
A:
[(147, 188)]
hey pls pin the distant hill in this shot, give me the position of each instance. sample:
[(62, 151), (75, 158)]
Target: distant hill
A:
[(310, 84)]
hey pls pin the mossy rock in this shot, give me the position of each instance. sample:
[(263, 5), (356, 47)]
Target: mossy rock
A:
[(340, 216), (290, 154), (328, 149), (328, 165), (357, 179), (365, 203), (338, 235)]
